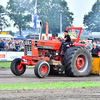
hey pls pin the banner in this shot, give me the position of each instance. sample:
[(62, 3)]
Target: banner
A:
[(35, 16), (10, 56)]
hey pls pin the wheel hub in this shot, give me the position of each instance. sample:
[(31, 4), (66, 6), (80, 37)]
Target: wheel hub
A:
[(79, 63), (43, 69), (19, 67)]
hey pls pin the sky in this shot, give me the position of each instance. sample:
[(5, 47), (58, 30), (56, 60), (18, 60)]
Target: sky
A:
[(78, 7)]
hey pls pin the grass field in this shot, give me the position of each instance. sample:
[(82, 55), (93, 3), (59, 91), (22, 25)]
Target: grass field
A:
[(48, 85), (6, 64)]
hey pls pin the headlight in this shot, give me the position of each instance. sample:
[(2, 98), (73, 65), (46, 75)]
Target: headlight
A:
[(27, 42), (30, 42)]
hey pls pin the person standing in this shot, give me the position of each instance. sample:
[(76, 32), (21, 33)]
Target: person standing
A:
[(95, 49), (12, 47), (17, 46), (1, 45)]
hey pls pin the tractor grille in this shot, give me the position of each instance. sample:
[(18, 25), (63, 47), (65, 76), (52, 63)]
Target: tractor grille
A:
[(28, 50)]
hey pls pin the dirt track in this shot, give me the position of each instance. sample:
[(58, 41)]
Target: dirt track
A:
[(7, 77), (52, 94)]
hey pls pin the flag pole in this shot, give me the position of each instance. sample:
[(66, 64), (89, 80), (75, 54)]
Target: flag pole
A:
[(35, 18)]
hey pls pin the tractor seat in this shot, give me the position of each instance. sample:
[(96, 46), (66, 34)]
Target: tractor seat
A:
[(70, 43)]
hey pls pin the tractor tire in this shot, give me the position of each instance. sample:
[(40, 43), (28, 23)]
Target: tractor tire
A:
[(42, 69), (77, 61), (70, 50), (15, 67)]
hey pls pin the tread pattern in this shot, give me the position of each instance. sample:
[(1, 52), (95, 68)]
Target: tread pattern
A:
[(69, 58), (13, 67), (38, 68)]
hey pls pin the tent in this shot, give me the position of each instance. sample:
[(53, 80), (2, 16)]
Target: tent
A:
[(7, 37), (21, 37)]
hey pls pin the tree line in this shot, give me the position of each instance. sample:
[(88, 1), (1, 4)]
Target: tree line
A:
[(21, 11)]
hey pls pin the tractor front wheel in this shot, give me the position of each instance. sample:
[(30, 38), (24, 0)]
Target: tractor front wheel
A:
[(17, 68), (41, 69)]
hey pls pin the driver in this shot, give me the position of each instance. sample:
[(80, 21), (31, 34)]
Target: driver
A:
[(66, 39)]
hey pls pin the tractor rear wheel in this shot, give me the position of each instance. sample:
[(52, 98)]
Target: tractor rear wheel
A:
[(42, 69), (77, 61), (16, 68)]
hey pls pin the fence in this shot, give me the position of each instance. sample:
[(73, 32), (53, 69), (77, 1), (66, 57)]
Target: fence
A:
[(9, 56)]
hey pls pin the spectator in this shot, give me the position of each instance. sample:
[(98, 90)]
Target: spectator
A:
[(6, 45), (95, 49), (12, 47), (88, 46), (21, 46), (90, 43), (86, 40), (10, 42), (98, 44), (17, 46), (1, 45)]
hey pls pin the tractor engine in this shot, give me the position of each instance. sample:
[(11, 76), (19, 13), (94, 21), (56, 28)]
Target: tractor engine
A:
[(47, 50), (41, 49)]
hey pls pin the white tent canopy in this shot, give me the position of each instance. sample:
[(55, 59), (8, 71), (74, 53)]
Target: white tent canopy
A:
[(7, 37)]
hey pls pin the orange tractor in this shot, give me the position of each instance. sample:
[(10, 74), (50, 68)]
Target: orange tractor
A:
[(77, 60)]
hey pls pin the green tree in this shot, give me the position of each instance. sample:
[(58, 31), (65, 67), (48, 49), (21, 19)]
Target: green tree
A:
[(3, 21), (11, 33), (17, 13), (49, 11), (92, 19)]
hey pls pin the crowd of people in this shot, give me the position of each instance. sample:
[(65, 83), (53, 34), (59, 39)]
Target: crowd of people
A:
[(17, 45), (93, 47), (11, 45)]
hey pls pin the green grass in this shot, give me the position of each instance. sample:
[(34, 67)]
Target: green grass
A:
[(48, 85), (6, 64)]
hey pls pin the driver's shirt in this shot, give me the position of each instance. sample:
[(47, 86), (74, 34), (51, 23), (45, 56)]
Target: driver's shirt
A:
[(68, 39)]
